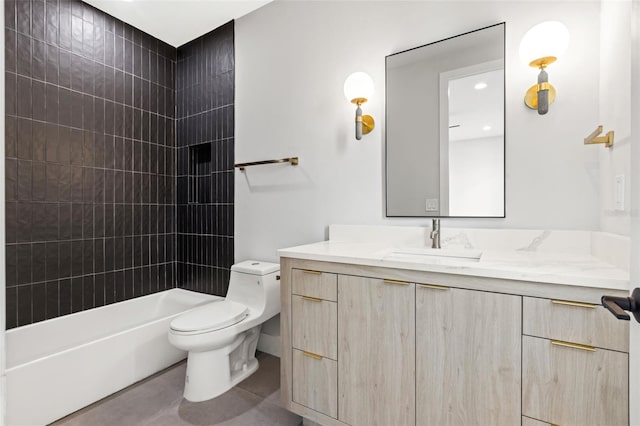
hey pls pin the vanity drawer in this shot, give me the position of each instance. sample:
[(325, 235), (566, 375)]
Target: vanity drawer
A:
[(321, 285), (566, 385), (314, 325), (315, 382), (575, 322)]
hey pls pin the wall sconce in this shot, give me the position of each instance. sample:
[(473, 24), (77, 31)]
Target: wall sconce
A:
[(541, 46), (358, 88)]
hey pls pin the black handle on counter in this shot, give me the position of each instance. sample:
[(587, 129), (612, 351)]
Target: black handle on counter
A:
[(618, 305)]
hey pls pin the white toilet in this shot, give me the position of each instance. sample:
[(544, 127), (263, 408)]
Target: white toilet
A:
[(221, 336)]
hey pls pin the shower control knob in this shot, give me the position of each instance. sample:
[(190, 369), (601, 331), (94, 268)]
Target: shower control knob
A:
[(618, 305)]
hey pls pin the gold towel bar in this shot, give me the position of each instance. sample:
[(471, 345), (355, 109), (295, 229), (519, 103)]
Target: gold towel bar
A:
[(292, 160)]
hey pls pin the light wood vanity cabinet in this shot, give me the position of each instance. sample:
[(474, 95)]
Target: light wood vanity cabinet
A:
[(468, 357), (376, 346)]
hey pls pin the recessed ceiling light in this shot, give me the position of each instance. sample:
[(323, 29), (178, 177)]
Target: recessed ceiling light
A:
[(480, 86), (486, 128)]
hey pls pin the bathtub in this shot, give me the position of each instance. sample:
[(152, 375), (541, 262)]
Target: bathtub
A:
[(58, 366)]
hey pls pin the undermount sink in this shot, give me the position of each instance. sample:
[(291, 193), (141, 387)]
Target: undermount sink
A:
[(459, 255)]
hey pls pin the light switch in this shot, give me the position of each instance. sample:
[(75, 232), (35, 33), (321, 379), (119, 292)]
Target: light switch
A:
[(432, 205), (619, 193)]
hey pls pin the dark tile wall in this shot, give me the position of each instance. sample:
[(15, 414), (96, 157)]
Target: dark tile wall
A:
[(90, 159), (205, 126)]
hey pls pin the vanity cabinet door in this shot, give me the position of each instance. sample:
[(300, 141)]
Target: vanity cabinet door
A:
[(468, 357), (376, 352)]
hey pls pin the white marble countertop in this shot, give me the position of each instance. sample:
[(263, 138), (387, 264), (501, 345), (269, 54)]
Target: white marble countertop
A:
[(544, 267)]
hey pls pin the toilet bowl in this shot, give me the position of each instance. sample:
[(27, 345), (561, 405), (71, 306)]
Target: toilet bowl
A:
[(221, 337)]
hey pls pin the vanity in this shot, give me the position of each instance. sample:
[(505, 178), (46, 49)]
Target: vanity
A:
[(382, 330)]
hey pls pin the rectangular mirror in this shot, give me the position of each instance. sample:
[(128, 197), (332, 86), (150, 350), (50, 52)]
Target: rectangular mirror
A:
[(445, 127)]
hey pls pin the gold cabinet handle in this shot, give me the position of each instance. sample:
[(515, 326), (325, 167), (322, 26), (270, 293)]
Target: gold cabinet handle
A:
[(311, 299), (573, 345), (312, 355), (396, 282), (577, 304), (307, 271), (436, 287)]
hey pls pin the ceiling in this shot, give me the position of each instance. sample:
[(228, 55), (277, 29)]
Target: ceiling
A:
[(177, 21)]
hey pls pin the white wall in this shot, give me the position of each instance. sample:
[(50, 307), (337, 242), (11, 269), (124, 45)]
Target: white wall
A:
[(291, 62), (615, 111)]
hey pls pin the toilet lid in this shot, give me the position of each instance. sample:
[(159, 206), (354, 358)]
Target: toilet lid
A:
[(212, 316)]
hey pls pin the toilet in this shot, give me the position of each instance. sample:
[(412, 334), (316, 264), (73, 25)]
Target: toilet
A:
[(221, 336)]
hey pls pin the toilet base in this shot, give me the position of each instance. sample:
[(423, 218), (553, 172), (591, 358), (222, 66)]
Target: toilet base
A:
[(212, 373)]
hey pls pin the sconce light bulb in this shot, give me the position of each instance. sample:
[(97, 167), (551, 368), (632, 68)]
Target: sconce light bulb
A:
[(358, 87), (546, 40), (481, 85)]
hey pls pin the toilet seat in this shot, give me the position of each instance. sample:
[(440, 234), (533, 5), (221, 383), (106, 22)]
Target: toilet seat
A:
[(210, 317)]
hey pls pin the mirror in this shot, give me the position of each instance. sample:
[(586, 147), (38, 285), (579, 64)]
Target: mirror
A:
[(445, 127)]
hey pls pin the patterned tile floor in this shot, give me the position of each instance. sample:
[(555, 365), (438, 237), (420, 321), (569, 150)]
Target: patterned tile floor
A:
[(158, 401)]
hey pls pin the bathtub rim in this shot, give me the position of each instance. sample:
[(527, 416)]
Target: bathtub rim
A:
[(206, 299)]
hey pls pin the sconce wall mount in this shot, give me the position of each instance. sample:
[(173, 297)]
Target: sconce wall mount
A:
[(358, 87), (541, 46)]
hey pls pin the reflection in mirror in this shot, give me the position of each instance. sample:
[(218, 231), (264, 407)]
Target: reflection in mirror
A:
[(445, 128)]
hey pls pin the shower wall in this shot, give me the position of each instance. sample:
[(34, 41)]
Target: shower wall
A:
[(90, 160), (205, 174)]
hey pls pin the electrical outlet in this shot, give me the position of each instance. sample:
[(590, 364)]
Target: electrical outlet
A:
[(432, 205)]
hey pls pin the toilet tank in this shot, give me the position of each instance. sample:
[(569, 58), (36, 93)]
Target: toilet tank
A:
[(256, 285)]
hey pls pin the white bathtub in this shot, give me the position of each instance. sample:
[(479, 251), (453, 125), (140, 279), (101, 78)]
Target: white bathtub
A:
[(58, 366)]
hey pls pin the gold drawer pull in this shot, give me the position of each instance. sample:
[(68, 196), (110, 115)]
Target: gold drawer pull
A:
[(311, 299), (437, 287), (396, 282), (307, 271), (311, 355), (573, 345), (577, 304)]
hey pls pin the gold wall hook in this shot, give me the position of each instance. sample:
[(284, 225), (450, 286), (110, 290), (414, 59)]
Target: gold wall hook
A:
[(593, 138)]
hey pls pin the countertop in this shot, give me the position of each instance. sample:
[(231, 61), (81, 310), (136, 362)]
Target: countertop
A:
[(543, 267)]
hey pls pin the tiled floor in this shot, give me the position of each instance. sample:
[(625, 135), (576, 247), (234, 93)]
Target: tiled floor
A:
[(158, 401)]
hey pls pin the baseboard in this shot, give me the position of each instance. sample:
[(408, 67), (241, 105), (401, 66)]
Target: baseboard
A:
[(269, 344)]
